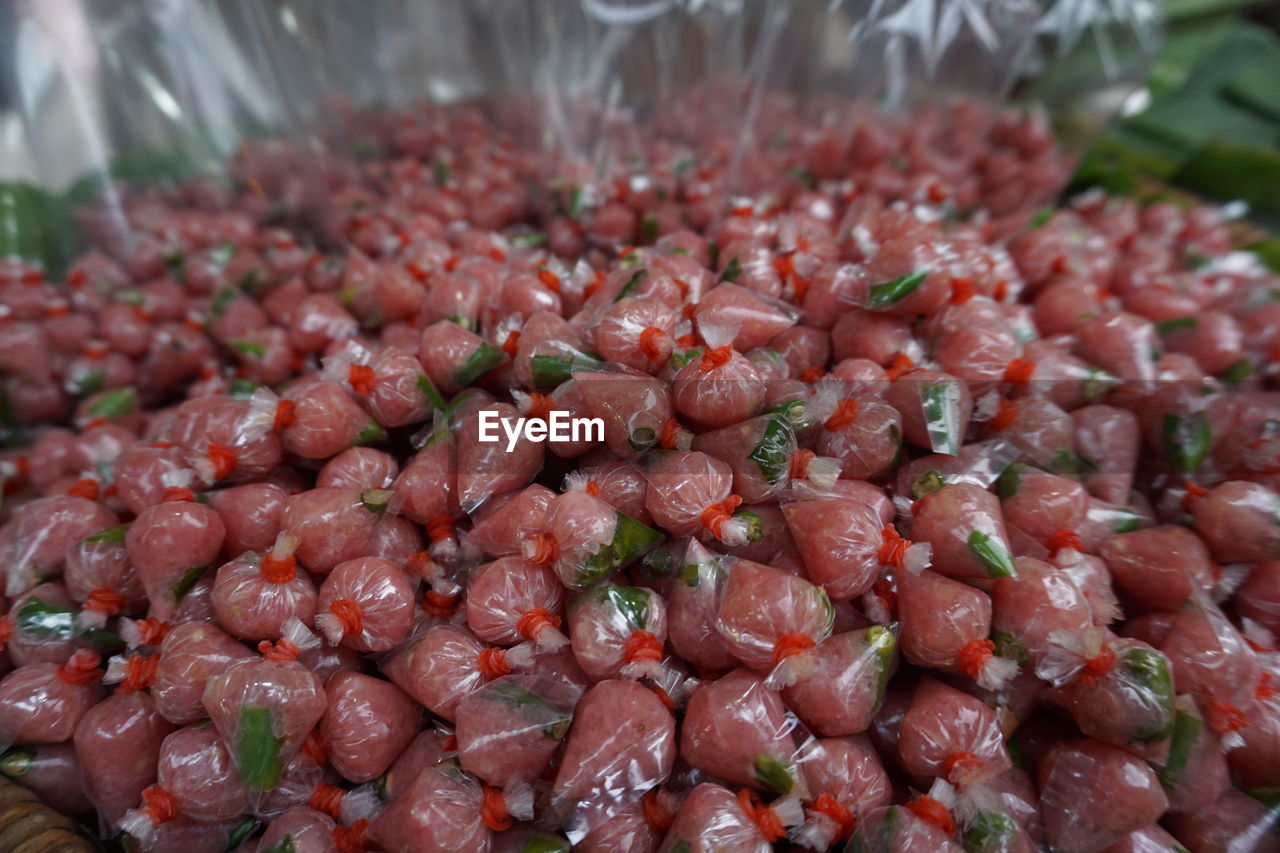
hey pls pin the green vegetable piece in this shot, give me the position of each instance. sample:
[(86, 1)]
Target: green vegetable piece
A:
[(443, 173), (257, 749), (631, 540), (926, 484), (249, 348), (188, 580), (772, 453), (1127, 520), (1010, 481), (732, 271), (530, 240), (1150, 670), (631, 285), (1009, 646), (532, 707), (989, 832), (243, 830), (690, 574), (680, 359), (775, 775), (577, 201), (483, 358), (1186, 729), (371, 434), (241, 389), (649, 227), (642, 438), (1177, 324), (1237, 371), (881, 296), (881, 642), (940, 419), (1186, 440), (89, 382), (545, 844), (755, 525), (47, 621), (17, 763), (428, 389), (114, 535), (114, 404), (285, 845), (682, 847), (1043, 215), (992, 554), (631, 601), (376, 500), (551, 370)]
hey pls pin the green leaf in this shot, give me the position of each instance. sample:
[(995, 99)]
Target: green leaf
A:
[(483, 358), (1128, 520), (713, 253), (632, 602), (189, 579), (89, 382), (114, 535), (989, 832), (1237, 371), (577, 202), (428, 389), (881, 296), (529, 240), (772, 453), (284, 845), (649, 227), (1042, 217), (926, 484), (1009, 646), (642, 438), (1150, 671), (223, 299), (443, 173), (533, 709), (680, 359), (257, 749), (249, 348), (17, 763), (1010, 481), (690, 574), (775, 775), (631, 540), (371, 434), (545, 844), (992, 554), (1186, 729), (550, 371), (755, 525), (732, 271), (1177, 324), (241, 389), (114, 404), (881, 642), (241, 833), (940, 418), (631, 285), (1186, 440), (44, 620)]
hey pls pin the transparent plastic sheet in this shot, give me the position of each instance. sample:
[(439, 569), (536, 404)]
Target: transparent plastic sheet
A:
[(150, 92)]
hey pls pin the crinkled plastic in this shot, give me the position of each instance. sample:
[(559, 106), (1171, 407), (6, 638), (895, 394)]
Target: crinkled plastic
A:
[(368, 723), (365, 603), (619, 632), (713, 818), (509, 730)]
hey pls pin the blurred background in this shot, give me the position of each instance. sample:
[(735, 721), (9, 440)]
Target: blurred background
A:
[(1155, 98)]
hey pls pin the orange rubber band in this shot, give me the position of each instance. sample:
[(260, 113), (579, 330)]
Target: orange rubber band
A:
[(328, 799), (828, 805), (86, 488), (714, 516), (961, 766), (800, 460), (349, 614), (158, 805), (281, 651), (151, 632), (361, 378), (765, 818), (658, 815), (223, 460), (962, 290), (893, 548), (1098, 666), (493, 810), (535, 621), (350, 839), (845, 414), (974, 656), (791, 644), (1064, 539), (286, 413), (1005, 415), (492, 663), (80, 668), (546, 549), (1019, 371), (139, 673), (649, 336), (718, 357), (279, 570), (933, 812), (901, 364), (176, 494), (642, 646), (103, 599)]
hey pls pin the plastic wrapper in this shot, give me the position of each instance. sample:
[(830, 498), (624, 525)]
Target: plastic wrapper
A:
[(99, 575), (771, 620), (42, 626), (513, 600), (509, 730), (304, 830), (447, 809), (255, 594), (40, 533), (333, 525), (846, 781), (52, 772), (43, 702), (585, 539), (738, 730), (713, 818), (846, 686), (965, 527), (950, 735), (924, 823), (368, 723), (263, 709), (366, 603), (619, 631), (620, 745), (251, 515), (1092, 795), (721, 386), (171, 546), (445, 663), (118, 745), (765, 457)]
